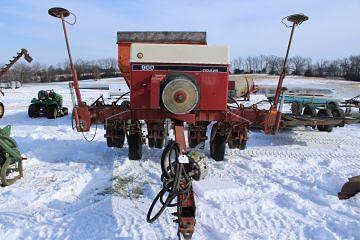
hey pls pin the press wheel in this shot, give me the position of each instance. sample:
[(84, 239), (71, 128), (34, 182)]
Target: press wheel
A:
[(217, 144)]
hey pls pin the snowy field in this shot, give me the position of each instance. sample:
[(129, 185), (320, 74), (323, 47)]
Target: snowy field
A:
[(280, 187)]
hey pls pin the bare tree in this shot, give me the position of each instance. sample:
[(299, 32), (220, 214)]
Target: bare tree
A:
[(298, 64), (354, 69), (237, 65), (263, 63), (21, 72), (274, 64)]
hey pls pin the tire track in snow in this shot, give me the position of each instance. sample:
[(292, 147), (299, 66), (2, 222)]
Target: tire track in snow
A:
[(347, 160), (308, 178), (309, 137)]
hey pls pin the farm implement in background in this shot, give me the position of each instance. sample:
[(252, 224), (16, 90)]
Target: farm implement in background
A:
[(351, 105), (240, 87), (10, 158), (167, 91), (318, 111), (49, 104), (6, 68)]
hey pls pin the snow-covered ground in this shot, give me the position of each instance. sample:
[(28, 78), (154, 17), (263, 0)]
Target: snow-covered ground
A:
[(280, 187)]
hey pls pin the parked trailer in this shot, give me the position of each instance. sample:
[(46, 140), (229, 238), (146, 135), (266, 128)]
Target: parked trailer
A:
[(322, 123), (299, 101), (318, 111)]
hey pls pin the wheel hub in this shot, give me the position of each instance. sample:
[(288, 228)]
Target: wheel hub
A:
[(180, 96)]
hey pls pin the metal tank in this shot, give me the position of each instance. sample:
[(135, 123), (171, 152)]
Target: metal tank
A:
[(242, 85)]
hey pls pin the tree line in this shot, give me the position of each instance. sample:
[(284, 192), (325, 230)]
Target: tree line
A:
[(346, 68), (36, 72)]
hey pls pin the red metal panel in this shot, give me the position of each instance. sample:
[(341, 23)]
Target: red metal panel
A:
[(155, 90), (179, 136), (213, 87), (102, 113), (214, 91), (124, 60)]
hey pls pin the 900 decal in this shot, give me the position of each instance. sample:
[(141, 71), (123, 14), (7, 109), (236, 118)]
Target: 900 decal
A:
[(147, 67), (183, 68)]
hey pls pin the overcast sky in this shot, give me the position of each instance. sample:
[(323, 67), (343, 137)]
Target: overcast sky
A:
[(250, 27)]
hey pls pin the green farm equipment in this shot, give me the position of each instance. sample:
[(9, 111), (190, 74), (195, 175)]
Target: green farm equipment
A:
[(301, 102), (10, 158), (49, 104), (318, 111)]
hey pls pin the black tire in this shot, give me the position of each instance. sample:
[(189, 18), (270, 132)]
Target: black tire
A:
[(332, 106), (309, 110), (119, 142), (109, 142), (325, 113), (243, 144), (159, 143), (65, 111), (194, 130), (296, 108), (115, 136), (339, 113), (2, 109), (239, 144), (151, 142), (217, 145), (115, 142), (51, 112), (135, 146), (125, 104), (232, 144), (33, 111)]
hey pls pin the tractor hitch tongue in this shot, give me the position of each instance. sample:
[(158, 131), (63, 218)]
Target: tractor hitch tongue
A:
[(350, 188), (178, 171)]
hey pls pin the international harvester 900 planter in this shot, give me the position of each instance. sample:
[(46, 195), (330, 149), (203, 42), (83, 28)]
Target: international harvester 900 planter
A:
[(175, 77)]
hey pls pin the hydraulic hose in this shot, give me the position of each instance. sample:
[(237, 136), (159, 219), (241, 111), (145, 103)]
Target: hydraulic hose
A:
[(171, 183)]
